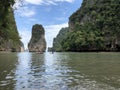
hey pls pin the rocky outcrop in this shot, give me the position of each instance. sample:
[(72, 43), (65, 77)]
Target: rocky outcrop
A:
[(100, 16), (10, 45), (37, 42), (22, 48), (9, 36), (82, 15), (95, 26), (57, 42), (50, 49)]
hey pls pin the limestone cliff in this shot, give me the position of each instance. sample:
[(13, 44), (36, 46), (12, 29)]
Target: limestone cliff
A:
[(9, 36), (22, 49), (37, 42), (82, 15), (57, 46), (95, 26)]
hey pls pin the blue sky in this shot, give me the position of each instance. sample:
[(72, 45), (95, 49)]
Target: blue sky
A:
[(52, 14)]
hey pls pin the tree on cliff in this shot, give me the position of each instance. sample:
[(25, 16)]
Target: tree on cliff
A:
[(5, 6), (94, 27), (57, 46), (9, 36)]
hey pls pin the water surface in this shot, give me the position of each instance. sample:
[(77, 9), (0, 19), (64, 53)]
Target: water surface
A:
[(60, 71)]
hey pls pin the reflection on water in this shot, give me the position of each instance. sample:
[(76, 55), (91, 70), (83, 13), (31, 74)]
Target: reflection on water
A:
[(7, 69), (22, 70), (59, 71)]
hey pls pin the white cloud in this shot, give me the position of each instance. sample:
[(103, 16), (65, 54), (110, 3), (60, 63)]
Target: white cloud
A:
[(70, 1), (52, 31), (37, 2), (26, 12), (17, 4), (47, 2), (25, 35), (58, 26)]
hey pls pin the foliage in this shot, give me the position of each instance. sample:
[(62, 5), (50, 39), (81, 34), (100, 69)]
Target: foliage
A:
[(9, 31), (95, 26), (9, 36), (5, 9), (60, 37), (87, 38)]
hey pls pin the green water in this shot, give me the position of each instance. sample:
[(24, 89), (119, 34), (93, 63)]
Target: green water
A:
[(60, 71)]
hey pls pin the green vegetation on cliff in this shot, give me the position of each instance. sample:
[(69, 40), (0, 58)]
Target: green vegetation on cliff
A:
[(58, 40), (94, 27), (87, 38), (9, 37), (5, 6), (9, 31), (37, 42)]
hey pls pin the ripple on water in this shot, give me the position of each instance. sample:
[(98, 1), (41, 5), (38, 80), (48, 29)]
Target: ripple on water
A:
[(60, 72)]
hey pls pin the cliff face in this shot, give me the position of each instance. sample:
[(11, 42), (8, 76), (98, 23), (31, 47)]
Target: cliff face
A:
[(95, 11), (59, 38), (9, 37), (22, 48), (37, 42), (95, 26)]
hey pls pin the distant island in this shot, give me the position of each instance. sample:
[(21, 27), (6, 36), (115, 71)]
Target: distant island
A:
[(37, 42), (95, 26)]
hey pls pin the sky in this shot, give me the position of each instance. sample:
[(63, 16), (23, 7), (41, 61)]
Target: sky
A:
[(52, 14)]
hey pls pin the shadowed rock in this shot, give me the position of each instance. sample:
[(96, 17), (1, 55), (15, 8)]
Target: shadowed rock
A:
[(9, 36), (37, 42)]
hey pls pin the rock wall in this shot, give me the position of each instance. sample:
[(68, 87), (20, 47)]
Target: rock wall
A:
[(9, 36), (37, 42), (57, 42), (103, 15)]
